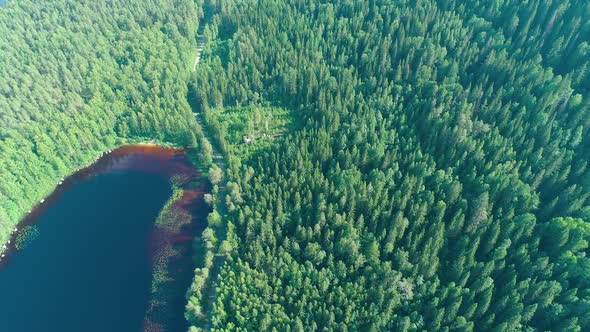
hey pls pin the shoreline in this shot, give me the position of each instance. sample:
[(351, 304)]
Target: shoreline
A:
[(158, 245), (9, 247)]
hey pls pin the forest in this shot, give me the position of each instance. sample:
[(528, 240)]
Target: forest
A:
[(78, 78), (438, 180), (386, 165)]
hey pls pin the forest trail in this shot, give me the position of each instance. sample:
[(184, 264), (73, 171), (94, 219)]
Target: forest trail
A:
[(200, 43), (210, 292)]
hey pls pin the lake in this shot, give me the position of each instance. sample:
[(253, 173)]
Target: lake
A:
[(89, 265)]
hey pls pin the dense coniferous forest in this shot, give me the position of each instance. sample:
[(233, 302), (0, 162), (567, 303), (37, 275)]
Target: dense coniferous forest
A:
[(80, 77), (439, 180), (391, 165)]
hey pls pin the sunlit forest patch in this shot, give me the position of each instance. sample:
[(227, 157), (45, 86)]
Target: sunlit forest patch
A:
[(247, 130)]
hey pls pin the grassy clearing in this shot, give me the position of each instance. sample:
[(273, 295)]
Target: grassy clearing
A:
[(247, 130)]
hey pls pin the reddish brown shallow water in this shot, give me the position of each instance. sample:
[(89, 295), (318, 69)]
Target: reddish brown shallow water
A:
[(91, 266)]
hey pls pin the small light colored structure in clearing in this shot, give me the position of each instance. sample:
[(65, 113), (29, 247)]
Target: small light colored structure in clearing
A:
[(248, 139)]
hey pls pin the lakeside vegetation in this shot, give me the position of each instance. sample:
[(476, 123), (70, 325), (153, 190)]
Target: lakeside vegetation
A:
[(25, 236), (440, 180), (168, 253)]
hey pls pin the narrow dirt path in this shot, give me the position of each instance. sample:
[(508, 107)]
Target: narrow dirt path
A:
[(200, 44), (210, 291)]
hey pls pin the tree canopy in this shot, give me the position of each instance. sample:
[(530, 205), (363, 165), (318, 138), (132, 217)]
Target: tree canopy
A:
[(78, 78), (439, 180), (433, 174)]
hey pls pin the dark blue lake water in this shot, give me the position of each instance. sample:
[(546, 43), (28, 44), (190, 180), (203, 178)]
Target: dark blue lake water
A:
[(89, 268)]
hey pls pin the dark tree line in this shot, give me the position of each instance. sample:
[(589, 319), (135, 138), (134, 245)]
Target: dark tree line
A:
[(440, 181)]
